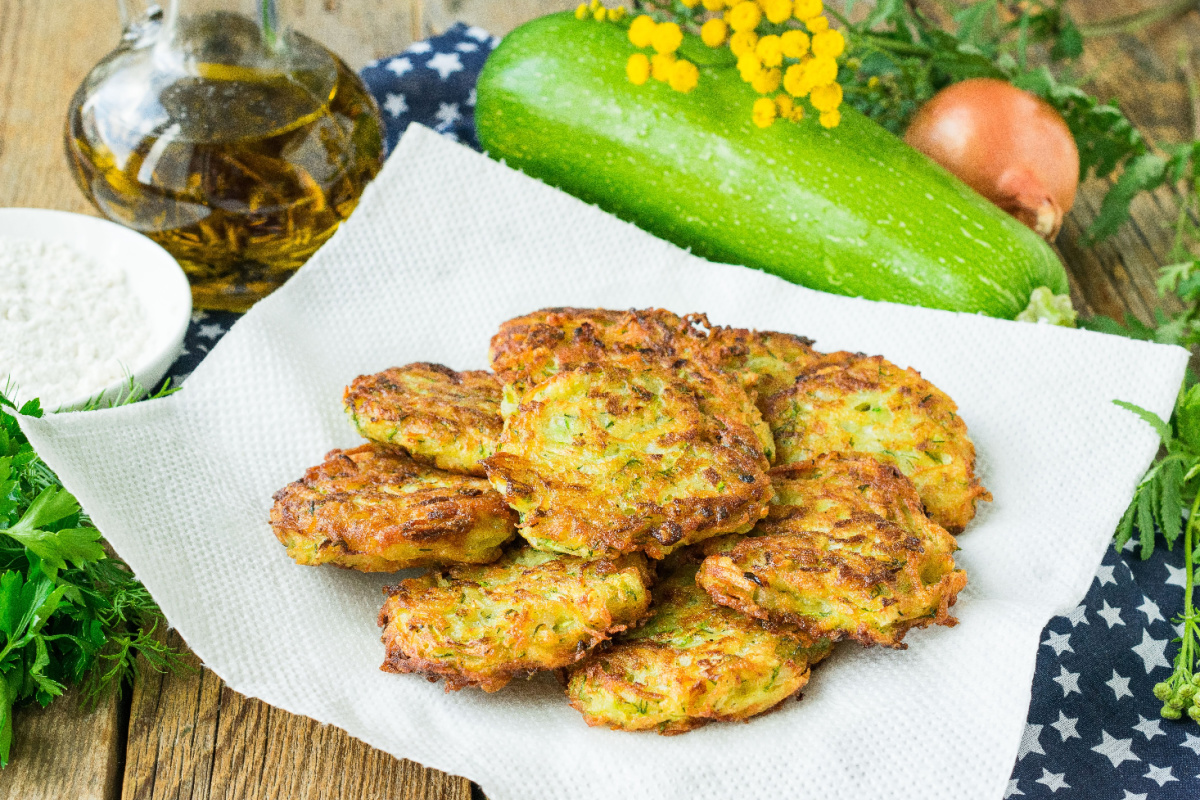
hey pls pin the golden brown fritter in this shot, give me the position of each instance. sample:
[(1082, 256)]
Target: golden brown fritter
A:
[(446, 418), (530, 349), (766, 361), (602, 460), (869, 405), (845, 551), (483, 626), (377, 510), (693, 662)]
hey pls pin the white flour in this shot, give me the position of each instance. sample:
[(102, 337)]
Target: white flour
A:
[(69, 326)]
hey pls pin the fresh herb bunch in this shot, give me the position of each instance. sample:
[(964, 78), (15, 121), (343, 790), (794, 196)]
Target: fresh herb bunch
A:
[(1170, 485), (69, 613)]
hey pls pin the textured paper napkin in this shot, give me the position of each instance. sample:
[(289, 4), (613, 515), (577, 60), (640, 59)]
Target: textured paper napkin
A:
[(445, 245)]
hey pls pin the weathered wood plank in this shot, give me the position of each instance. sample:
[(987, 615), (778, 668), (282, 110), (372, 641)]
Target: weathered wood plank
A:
[(496, 17), (1141, 73), (192, 738), (64, 752)]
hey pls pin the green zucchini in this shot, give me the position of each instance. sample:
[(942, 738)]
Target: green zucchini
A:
[(853, 210)]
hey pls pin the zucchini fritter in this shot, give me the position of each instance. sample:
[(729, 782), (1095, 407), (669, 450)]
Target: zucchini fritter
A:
[(377, 510), (449, 419), (869, 405), (693, 662), (483, 626), (845, 551), (602, 460), (766, 361), (531, 349)]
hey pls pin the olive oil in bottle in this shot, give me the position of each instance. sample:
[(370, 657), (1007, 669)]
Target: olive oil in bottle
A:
[(236, 147)]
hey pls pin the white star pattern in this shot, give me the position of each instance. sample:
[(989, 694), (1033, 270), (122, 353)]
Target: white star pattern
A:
[(466, 47), (478, 34), (1149, 727), (1059, 643), (1069, 681), (1030, 741), (1152, 652), (1012, 789), (1131, 796), (1176, 576), (1192, 743), (1066, 726), (1111, 615), (419, 47), (444, 64), (1053, 781), (471, 97), (1129, 545), (447, 113), (1150, 609), (1115, 750), (1105, 575), (210, 331), (1160, 775), (399, 66), (1078, 615), (395, 104), (1119, 685), (199, 316)]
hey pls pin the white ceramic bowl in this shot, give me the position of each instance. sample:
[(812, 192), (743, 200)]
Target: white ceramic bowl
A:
[(153, 275)]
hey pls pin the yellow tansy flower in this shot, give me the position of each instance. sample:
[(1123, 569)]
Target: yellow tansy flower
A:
[(770, 50), (637, 69), (616, 14), (714, 32), (784, 105), (684, 76), (667, 37), (582, 11), (766, 81), (744, 16), (743, 42), (807, 9), (714, 5), (599, 14), (661, 66), (817, 24), (595, 5), (872, 81), (828, 43), (794, 82), (830, 119), (777, 11), (749, 65), (826, 98), (763, 113), (820, 71), (641, 30), (794, 43), (690, 3)]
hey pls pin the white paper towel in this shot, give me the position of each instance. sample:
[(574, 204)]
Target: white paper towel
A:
[(445, 245)]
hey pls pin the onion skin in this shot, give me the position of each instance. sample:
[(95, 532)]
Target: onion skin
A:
[(1005, 143)]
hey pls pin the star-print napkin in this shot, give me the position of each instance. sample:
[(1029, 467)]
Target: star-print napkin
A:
[(1093, 730)]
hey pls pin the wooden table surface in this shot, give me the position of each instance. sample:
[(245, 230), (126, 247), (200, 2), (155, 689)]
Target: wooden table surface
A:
[(190, 737)]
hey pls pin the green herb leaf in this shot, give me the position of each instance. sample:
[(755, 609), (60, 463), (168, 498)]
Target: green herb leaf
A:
[(1170, 515), (1154, 420), (1143, 173)]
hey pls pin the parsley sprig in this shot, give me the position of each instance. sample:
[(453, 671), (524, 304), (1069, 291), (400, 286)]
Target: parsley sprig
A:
[(1171, 484), (69, 613)]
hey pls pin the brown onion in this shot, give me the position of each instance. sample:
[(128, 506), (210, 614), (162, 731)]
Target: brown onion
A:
[(1005, 143)]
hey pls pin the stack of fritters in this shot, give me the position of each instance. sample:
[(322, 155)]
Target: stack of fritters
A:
[(784, 498)]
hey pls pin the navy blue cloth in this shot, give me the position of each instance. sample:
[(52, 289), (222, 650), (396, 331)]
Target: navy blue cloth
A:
[(1094, 730), (432, 82)]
